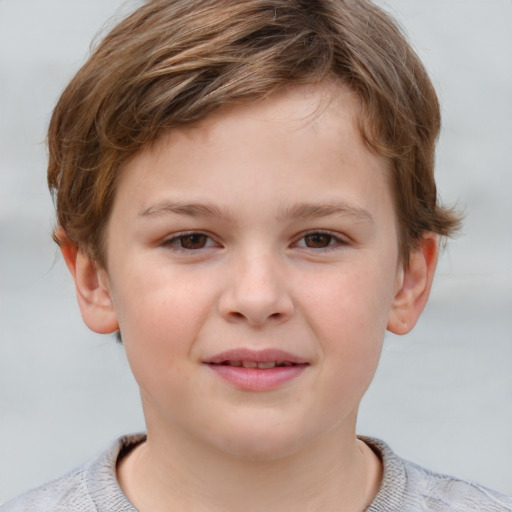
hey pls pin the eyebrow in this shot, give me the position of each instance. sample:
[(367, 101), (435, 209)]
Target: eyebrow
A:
[(188, 209), (318, 210), (297, 211)]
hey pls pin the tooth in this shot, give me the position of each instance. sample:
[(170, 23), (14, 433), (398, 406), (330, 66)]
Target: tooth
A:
[(235, 363), (287, 363), (249, 364), (269, 364)]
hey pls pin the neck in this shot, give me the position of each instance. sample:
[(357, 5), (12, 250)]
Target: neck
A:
[(335, 473)]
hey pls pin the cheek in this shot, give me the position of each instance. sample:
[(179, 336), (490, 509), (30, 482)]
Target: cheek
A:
[(354, 302), (159, 330), (160, 316), (348, 315)]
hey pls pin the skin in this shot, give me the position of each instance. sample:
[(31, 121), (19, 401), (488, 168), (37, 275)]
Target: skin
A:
[(266, 269)]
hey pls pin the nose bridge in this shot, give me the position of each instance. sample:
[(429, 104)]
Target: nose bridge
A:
[(257, 290)]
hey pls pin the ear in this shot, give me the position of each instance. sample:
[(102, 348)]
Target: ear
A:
[(414, 284), (92, 289)]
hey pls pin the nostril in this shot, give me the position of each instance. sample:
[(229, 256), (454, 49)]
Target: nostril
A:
[(238, 315)]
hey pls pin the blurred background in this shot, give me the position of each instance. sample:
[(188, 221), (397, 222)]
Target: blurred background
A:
[(442, 395)]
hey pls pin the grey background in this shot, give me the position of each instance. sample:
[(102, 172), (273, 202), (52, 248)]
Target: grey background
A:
[(442, 395)]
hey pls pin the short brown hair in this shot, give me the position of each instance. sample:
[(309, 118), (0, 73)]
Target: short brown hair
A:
[(174, 62)]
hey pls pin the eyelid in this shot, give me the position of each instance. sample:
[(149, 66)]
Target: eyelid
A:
[(338, 239), (172, 241)]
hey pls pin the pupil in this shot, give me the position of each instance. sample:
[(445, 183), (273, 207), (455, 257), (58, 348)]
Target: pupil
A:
[(195, 241), (318, 240)]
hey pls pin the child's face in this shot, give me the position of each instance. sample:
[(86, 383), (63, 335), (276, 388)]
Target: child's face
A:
[(267, 232)]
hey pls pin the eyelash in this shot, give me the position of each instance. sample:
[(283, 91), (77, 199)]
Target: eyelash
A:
[(335, 241), (177, 241)]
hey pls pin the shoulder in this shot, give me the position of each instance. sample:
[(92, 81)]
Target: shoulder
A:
[(54, 496), (407, 487), (90, 487), (444, 492)]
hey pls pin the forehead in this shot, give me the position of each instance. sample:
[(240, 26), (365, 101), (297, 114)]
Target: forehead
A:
[(300, 142)]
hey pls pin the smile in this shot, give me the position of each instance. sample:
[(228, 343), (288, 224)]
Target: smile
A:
[(250, 370), (267, 365)]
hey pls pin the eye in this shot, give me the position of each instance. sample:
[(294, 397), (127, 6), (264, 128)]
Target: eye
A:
[(320, 240), (190, 241)]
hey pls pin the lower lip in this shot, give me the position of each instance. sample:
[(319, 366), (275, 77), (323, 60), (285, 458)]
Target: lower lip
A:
[(255, 379)]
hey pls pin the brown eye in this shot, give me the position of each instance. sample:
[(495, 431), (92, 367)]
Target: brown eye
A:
[(318, 240), (188, 242), (193, 241)]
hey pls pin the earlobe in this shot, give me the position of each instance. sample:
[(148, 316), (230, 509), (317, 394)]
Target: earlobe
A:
[(92, 290), (414, 287)]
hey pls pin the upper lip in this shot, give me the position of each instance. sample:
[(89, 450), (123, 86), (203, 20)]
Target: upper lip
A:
[(257, 356)]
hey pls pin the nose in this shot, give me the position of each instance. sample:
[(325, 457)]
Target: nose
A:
[(256, 293)]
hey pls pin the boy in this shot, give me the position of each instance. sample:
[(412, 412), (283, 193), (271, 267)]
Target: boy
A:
[(245, 193)]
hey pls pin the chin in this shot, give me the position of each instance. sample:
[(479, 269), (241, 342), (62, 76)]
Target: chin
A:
[(263, 443)]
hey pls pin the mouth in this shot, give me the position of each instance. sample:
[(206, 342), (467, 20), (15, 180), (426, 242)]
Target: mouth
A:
[(262, 359), (267, 365), (257, 370)]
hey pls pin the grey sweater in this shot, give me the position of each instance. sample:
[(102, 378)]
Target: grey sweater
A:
[(405, 487)]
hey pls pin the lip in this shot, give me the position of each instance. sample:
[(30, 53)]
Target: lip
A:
[(257, 356), (256, 379)]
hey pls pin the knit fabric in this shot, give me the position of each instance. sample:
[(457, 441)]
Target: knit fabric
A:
[(405, 487)]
